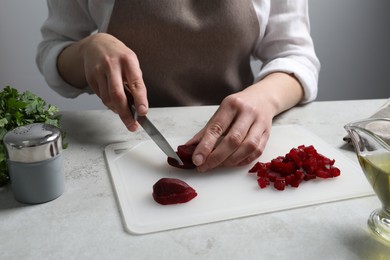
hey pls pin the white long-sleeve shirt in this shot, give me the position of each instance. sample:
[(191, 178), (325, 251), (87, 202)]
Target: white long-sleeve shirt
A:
[(284, 43)]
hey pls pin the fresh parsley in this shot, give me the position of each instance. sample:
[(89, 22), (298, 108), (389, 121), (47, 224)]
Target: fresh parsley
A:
[(18, 109)]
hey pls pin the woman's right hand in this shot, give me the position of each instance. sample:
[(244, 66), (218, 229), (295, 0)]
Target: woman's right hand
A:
[(105, 64)]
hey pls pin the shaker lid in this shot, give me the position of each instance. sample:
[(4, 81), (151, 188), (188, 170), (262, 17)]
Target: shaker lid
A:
[(32, 143)]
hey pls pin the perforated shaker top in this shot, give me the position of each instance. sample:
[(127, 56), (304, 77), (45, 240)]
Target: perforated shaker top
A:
[(33, 143)]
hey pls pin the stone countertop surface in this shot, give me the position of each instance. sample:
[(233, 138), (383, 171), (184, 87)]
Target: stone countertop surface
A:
[(85, 222)]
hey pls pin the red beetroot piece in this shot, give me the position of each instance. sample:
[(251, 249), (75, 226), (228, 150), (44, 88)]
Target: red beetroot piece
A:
[(185, 153), (263, 182), (168, 191), (301, 163), (280, 183)]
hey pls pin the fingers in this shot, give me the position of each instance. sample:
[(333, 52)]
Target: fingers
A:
[(102, 91), (237, 144), (257, 152), (251, 148), (137, 89), (235, 135), (108, 65), (118, 96), (135, 85), (214, 129)]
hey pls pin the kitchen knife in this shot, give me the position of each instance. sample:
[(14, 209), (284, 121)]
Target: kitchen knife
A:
[(151, 130)]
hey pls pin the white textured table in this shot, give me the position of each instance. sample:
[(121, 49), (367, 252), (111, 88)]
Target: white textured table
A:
[(84, 223)]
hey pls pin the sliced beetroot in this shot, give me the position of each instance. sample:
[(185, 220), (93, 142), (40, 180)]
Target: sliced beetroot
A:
[(185, 153), (168, 191), (301, 163), (187, 164)]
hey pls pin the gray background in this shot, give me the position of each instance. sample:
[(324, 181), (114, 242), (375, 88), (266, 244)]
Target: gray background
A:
[(351, 38)]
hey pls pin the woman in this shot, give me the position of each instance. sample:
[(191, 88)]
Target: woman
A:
[(185, 52)]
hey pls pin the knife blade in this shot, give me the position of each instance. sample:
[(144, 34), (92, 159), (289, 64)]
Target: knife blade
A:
[(152, 130)]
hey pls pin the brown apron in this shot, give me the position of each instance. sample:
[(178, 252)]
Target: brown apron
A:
[(191, 52)]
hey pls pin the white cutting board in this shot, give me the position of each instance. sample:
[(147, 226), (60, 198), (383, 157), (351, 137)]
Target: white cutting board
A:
[(225, 193)]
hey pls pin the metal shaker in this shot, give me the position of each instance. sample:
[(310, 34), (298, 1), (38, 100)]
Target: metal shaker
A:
[(35, 163)]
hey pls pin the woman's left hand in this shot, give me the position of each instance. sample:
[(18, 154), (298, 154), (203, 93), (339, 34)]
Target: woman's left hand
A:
[(238, 131)]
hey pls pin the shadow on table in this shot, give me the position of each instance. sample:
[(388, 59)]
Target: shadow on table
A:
[(347, 147), (365, 246), (93, 128), (7, 200)]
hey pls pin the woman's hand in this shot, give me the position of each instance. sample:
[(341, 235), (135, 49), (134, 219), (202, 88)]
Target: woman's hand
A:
[(238, 131), (105, 63)]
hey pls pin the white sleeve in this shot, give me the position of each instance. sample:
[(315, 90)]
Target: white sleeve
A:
[(67, 22), (285, 45)]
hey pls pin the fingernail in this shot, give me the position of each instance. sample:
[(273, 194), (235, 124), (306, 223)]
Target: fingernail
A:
[(198, 159)]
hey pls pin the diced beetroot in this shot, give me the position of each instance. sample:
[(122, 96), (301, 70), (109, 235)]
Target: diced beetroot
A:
[(309, 150), (255, 167), (263, 182), (310, 164), (263, 170), (273, 175), (280, 183), (309, 176), (172, 191), (334, 171), (324, 160), (323, 174), (295, 183), (296, 155), (299, 175), (289, 179), (284, 168), (301, 163)]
